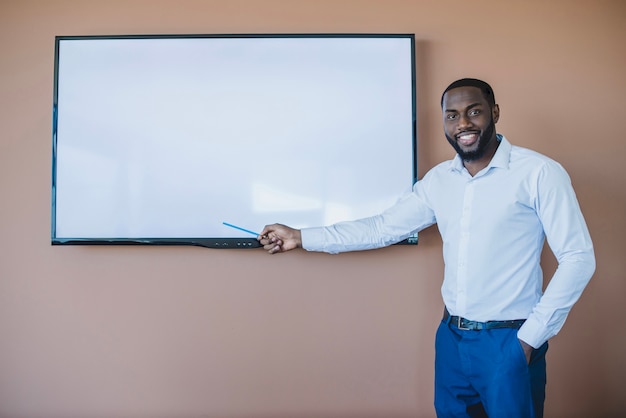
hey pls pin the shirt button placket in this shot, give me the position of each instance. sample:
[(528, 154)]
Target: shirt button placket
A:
[(464, 246)]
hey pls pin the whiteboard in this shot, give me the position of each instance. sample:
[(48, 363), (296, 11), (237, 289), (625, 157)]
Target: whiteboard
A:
[(164, 139)]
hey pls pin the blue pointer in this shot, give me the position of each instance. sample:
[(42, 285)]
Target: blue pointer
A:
[(241, 229)]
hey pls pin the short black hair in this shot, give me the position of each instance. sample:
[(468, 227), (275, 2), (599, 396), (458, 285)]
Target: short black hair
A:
[(473, 82)]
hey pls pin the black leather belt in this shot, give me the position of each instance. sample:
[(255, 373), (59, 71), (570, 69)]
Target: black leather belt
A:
[(466, 324)]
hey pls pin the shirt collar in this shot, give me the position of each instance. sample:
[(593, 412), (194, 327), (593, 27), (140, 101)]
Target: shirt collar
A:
[(500, 159)]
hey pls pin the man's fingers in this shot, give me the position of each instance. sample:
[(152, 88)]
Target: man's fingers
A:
[(275, 249)]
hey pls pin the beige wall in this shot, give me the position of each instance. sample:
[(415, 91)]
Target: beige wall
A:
[(192, 332)]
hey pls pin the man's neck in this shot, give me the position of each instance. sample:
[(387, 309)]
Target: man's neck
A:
[(475, 166)]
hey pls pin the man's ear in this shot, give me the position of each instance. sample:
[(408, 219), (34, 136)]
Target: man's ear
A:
[(495, 113)]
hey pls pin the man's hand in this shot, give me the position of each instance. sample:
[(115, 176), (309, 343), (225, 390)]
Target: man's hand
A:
[(528, 350), (278, 238)]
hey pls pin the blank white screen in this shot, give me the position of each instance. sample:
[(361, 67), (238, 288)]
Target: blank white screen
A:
[(169, 137)]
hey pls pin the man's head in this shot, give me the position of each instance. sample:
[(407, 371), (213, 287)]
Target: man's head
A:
[(470, 114)]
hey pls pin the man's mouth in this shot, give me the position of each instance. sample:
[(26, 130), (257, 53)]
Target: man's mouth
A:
[(467, 138)]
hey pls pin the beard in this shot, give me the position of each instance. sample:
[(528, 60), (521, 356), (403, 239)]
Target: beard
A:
[(483, 142)]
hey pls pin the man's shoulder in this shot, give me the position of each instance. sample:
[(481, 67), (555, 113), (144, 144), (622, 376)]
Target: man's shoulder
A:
[(529, 163), (527, 152), (442, 168), (531, 157)]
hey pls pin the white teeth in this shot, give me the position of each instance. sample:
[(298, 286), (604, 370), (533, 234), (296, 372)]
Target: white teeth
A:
[(467, 135), (467, 139)]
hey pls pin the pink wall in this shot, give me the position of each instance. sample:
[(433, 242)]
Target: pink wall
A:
[(182, 332)]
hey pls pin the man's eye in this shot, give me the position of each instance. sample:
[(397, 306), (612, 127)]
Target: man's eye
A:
[(450, 116), (474, 112)]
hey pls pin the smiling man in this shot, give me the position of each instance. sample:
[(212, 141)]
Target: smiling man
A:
[(495, 204), (470, 123)]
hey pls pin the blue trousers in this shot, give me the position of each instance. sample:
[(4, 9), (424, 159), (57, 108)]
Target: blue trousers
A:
[(485, 374)]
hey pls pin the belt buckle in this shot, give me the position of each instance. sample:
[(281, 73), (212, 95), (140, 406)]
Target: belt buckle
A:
[(459, 326)]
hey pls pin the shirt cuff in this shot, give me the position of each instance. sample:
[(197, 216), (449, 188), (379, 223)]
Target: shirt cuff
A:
[(533, 333), (312, 238)]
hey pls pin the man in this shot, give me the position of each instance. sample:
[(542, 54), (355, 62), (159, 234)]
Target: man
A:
[(494, 204)]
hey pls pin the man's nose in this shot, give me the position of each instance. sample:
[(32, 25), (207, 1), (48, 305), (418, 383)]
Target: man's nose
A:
[(464, 122)]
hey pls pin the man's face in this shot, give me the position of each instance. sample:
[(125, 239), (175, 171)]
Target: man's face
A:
[(469, 122)]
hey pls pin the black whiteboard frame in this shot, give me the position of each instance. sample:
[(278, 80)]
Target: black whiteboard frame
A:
[(208, 242)]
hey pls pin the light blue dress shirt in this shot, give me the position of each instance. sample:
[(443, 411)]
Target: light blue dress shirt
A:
[(493, 227)]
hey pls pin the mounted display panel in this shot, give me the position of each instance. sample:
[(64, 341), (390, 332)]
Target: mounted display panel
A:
[(204, 139)]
